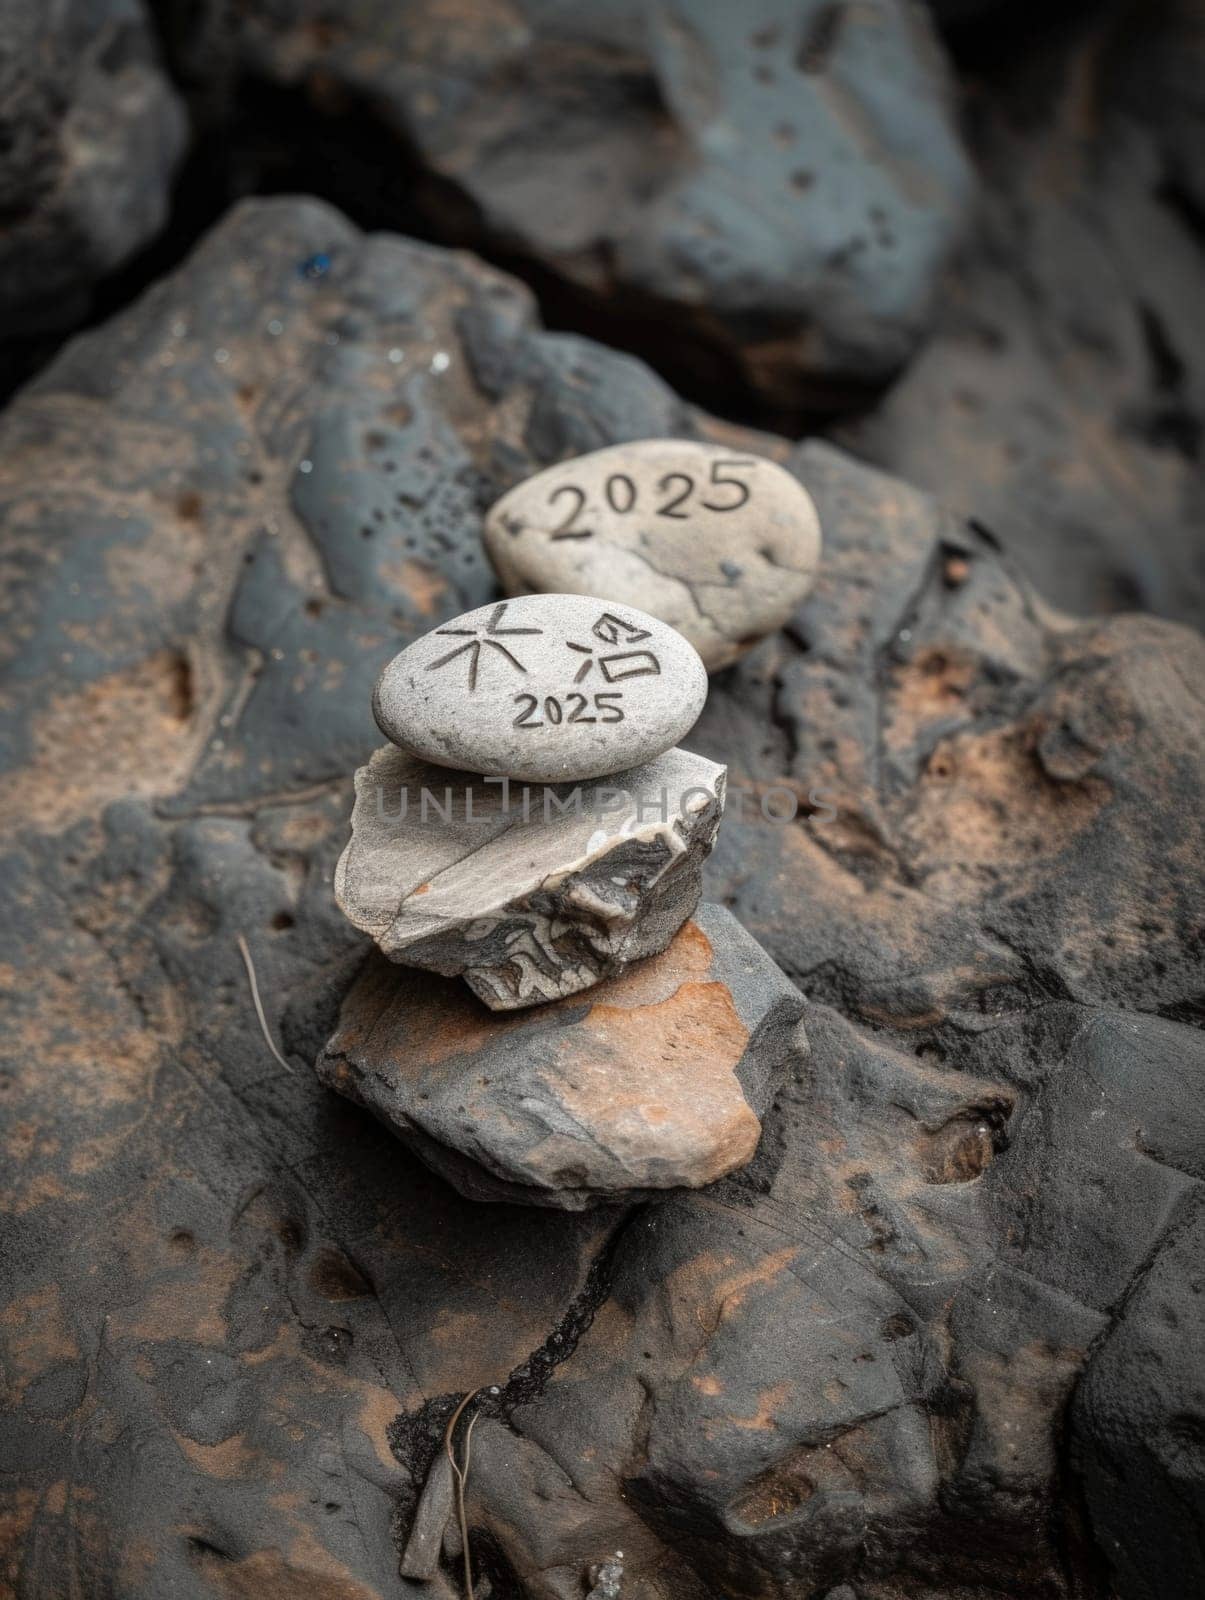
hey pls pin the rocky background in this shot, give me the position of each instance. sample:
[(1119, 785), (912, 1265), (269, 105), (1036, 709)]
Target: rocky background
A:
[(941, 1339)]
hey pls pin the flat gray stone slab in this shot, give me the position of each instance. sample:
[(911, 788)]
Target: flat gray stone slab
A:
[(529, 893)]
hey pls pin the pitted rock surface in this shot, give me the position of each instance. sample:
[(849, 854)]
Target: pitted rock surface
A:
[(531, 894), (1061, 397), (771, 192), (653, 1080), (915, 1346)]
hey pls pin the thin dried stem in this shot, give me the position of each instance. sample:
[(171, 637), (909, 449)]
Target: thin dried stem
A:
[(259, 1009), (461, 1471)]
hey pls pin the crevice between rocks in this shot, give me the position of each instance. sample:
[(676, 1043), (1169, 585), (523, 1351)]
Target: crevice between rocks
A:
[(416, 1437), (266, 139)]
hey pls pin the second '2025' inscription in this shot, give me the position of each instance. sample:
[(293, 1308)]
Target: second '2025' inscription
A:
[(573, 710), (614, 666)]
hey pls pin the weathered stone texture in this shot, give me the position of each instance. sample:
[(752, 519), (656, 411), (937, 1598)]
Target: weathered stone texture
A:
[(91, 132), (531, 894), (771, 189), (918, 1345)]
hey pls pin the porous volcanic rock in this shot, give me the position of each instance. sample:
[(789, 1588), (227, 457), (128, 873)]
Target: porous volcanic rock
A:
[(905, 1350), (1061, 397), (531, 894), (653, 1080), (965, 760), (769, 192), (90, 135)]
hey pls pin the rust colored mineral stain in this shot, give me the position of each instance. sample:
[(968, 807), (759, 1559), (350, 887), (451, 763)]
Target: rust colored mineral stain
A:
[(716, 1286), (694, 1028), (958, 1152), (230, 1459), (420, 583), (768, 1403), (663, 1072), (647, 982), (646, 1062), (131, 732), (439, 1018), (306, 1568), (37, 1337)]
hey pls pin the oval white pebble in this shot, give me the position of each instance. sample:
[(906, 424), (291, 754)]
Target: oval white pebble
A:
[(544, 688), (720, 543)]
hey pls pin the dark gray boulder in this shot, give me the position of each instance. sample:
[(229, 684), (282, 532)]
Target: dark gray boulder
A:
[(927, 1342), (1061, 397), (771, 192), (90, 135)]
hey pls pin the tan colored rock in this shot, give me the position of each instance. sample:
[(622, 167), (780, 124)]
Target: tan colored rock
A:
[(530, 893), (721, 544), (658, 1080), (548, 688), (420, 1559)]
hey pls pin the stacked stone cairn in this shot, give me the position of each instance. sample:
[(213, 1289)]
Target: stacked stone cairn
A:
[(559, 1022)]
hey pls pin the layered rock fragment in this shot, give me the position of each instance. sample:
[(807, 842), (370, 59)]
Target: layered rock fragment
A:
[(530, 893)]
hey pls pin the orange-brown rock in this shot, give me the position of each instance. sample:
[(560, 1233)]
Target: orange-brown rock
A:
[(653, 1080)]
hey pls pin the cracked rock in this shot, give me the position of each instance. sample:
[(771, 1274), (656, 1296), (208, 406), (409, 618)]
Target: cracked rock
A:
[(657, 1080), (721, 544), (530, 894)]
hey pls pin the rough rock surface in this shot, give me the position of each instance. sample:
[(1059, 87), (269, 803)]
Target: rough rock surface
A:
[(90, 134), (771, 189), (721, 547), (1061, 399), (653, 1080), (916, 1347), (530, 894)]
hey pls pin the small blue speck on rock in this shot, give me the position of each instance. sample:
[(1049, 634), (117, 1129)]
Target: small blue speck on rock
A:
[(315, 266)]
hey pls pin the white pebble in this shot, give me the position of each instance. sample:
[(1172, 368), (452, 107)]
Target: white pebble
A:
[(720, 543)]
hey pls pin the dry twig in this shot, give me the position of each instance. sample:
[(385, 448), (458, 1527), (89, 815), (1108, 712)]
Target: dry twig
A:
[(461, 1473), (259, 1009)]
